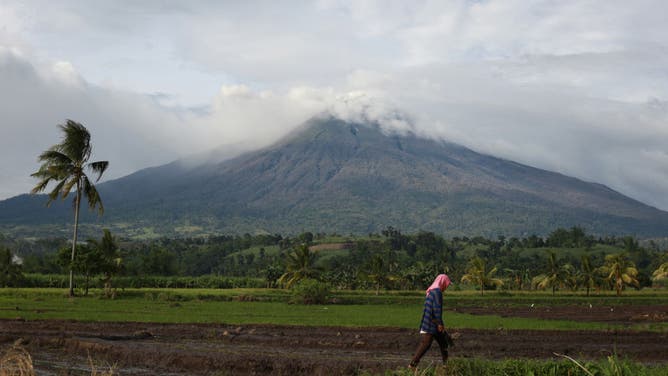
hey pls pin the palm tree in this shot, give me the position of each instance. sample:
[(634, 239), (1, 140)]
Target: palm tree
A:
[(572, 277), (109, 257), (478, 274), (620, 271), (588, 273), (661, 272), (380, 270), (66, 163), (555, 275), (517, 277), (300, 264)]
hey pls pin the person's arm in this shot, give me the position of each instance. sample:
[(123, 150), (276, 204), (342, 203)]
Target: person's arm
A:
[(437, 310)]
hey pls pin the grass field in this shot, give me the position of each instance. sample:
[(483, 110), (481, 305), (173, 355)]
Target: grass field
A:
[(360, 311), (267, 306)]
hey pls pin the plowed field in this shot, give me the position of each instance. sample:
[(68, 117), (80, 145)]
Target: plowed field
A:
[(214, 349)]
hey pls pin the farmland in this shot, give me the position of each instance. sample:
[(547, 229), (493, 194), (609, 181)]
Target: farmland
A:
[(319, 304), (242, 331)]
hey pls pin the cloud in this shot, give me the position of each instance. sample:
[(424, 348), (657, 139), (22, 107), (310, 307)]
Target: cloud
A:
[(570, 86), (34, 99)]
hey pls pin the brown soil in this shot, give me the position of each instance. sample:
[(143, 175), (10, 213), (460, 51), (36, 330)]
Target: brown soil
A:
[(627, 314), (214, 349)]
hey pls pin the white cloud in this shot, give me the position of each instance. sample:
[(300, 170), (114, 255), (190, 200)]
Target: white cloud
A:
[(578, 87)]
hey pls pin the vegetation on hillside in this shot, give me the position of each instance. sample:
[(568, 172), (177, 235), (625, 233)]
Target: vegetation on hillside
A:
[(566, 260)]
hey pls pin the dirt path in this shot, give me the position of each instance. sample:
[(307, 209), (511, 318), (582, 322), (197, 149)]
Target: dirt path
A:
[(211, 349), (618, 314)]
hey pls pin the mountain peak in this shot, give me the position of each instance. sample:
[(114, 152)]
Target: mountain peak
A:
[(336, 175), (328, 125)]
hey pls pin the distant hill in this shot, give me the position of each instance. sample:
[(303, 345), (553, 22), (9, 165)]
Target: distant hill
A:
[(333, 176)]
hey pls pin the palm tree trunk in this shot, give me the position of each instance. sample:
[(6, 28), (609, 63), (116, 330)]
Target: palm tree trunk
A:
[(77, 201), (86, 286), (107, 285)]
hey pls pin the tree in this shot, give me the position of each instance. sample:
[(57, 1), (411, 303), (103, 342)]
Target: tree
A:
[(555, 275), (109, 259), (300, 264), (661, 272), (158, 261), (380, 270), (272, 273), (477, 273), (10, 271), (588, 273), (419, 275), (85, 262), (66, 163), (620, 271), (572, 277), (518, 277)]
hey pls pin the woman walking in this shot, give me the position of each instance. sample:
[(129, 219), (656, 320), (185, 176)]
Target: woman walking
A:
[(432, 326)]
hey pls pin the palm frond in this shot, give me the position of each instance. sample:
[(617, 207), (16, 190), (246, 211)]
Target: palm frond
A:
[(41, 186), (55, 156), (99, 168), (56, 191), (67, 188), (76, 141), (92, 195)]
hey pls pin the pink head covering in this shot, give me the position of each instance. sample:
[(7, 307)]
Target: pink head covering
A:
[(441, 282)]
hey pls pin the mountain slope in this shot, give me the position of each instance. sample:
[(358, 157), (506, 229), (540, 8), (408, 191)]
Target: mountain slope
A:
[(335, 176)]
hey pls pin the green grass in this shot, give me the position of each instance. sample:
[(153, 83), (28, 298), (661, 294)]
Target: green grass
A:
[(611, 365), (227, 306)]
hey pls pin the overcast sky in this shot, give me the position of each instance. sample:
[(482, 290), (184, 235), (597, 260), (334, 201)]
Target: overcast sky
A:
[(577, 87)]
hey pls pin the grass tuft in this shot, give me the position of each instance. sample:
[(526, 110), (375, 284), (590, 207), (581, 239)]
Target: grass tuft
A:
[(16, 362)]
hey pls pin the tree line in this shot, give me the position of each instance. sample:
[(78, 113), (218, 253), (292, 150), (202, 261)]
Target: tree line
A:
[(566, 259)]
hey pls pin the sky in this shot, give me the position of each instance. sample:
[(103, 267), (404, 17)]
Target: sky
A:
[(576, 87)]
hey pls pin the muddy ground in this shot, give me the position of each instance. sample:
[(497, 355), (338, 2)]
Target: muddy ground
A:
[(625, 315), (62, 347)]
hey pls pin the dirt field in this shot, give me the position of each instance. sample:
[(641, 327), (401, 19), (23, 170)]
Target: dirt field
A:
[(628, 314), (208, 349)]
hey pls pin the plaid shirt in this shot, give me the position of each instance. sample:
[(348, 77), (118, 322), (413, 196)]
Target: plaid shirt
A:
[(432, 314)]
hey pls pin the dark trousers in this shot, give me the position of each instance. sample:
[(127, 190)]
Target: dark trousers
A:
[(425, 343)]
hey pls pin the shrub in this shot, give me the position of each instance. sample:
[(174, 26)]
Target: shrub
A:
[(310, 291), (205, 281)]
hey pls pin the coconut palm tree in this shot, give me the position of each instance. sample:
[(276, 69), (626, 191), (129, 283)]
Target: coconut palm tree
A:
[(620, 271), (478, 274), (300, 264), (588, 273), (66, 163), (572, 277), (661, 272), (381, 270), (517, 277), (555, 275)]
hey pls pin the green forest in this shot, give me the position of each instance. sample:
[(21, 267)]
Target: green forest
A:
[(565, 260)]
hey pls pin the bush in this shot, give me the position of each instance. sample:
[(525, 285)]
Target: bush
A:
[(310, 291), (202, 282)]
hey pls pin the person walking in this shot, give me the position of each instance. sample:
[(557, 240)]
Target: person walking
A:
[(431, 326)]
